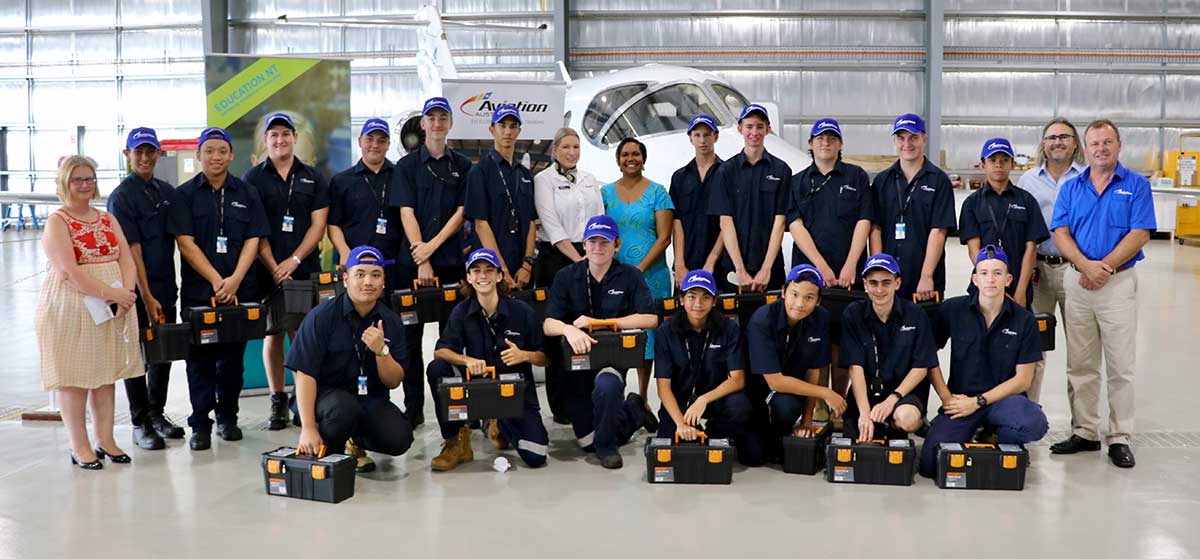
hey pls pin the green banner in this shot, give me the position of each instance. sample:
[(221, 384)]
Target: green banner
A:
[(253, 85)]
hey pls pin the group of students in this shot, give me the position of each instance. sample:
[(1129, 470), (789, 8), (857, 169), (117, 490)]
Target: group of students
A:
[(411, 222)]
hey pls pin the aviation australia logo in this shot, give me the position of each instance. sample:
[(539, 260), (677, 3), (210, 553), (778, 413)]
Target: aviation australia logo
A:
[(484, 104)]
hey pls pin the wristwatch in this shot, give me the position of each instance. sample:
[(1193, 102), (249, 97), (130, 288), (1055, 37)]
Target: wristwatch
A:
[(981, 401), (529, 260), (386, 351), (296, 258)]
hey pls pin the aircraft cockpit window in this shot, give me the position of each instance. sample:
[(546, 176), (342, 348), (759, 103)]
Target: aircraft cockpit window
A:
[(669, 109), (604, 104), (731, 97)]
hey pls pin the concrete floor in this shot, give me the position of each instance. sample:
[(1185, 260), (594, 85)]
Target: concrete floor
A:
[(184, 504)]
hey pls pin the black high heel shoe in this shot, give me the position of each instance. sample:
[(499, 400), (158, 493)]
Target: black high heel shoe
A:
[(114, 458), (93, 465)]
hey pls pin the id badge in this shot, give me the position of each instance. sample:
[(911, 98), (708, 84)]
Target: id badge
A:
[(381, 226), (901, 231), (222, 244), (362, 385), (289, 223)]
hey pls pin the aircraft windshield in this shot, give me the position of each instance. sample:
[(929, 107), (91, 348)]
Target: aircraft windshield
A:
[(605, 104), (669, 109), (731, 97)]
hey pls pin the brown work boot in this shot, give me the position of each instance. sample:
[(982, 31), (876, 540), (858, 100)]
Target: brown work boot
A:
[(494, 435), (363, 463), (455, 451)]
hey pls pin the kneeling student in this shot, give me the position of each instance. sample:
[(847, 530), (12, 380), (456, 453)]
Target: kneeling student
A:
[(344, 366), (699, 364), (887, 343), (993, 350), (789, 345), (490, 328)]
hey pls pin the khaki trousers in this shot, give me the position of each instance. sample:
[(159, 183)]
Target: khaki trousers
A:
[(1048, 293)]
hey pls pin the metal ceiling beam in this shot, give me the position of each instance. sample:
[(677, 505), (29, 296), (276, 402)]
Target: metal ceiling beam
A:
[(562, 34), (215, 26), (769, 14), (936, 31)]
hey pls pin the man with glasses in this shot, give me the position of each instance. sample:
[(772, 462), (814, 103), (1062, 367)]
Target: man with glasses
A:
[(1059, 159)]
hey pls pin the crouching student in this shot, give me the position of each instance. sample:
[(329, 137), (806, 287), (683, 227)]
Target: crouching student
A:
[(993, 350), (887, 344), (346, 358), (699, 367), (593, 289), (490, 329), (788, 342)]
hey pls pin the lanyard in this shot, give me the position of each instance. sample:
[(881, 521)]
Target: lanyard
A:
[(901, 189), (155, 198), (587, 280), (999, 226), (291, 183), (382, 192), (221, 211), (355, 341), (813, 188), (513, 220), (695, 361)]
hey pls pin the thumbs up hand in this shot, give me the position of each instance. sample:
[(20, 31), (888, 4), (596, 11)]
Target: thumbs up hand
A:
[(513, 355), (373, 337)]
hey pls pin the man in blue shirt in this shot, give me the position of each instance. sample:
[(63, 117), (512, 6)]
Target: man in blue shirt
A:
[(428, 189), (700, 366), (601, 288), (1059, 159), (218, 222), (696, 237), (296, 201), (500, 201), (914, 207), (751, 198), (359, 209), (349, 352), (490, 329), (1102, 219), (993, 349), (887, 343), (1003, 215), (788, 343), (142, 204)]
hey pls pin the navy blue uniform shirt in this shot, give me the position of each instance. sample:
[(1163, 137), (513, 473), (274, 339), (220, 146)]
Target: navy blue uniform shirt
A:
[(302, 192), (925, 204), (829, 207), (981, 357), (690, 194), (330, 349), (143, 209), (696, 362), (753, 195), (1007, 220), (358, 197), (434, 189), (775, 347), (200, 214), (472, 333), (622, 292), (904, 343), (502, 195)]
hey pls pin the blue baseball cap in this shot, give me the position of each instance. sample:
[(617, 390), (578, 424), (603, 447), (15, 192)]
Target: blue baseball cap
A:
[(504, 111), (825, 125), (213, 133), (435, 103), (704, 119), (142, 136), (908, 122), (375, 125), (994, 146), (279, 118), (699, 279), (991, 252), (601, 226), (358, 253), (806, 272), (883, 262), (754, 108), (485, 254)]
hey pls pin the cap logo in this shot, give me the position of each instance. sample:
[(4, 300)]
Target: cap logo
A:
[(699, 279), (997, 145), (905, 121), (599, 226), (877, 262), (137, 135), (825, 125)]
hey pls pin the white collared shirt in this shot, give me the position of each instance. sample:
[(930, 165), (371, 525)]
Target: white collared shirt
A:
[(563, 207), (1041, 185)]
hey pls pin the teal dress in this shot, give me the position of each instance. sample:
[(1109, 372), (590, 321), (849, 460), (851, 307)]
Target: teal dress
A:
[(638, 233)]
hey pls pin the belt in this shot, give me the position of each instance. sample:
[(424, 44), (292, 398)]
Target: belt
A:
[(1052, 260), (1115, 272)]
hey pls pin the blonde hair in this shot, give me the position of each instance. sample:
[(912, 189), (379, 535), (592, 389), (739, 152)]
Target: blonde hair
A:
[(63, 181), (1040, 155), (558, 137)]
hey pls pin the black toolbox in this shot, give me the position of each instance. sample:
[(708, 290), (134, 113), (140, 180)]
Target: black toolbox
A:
[(666, 307), (537, 298), (328, 479), (879, 462), (288, 304), (806, 455), (468, 399), (932, 308), (1046, 324), (326, 285), (742, 305), (238, 322), (707, 461), (424, 305), (835, 300), (981, 466), (163, 343), (619, 349)]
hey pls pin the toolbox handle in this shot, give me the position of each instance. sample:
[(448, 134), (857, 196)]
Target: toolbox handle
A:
[(699, 435), (486, 371), (320, 452), (417, 283), (161, 318), (213, 301), (978, 445), (937, 297), (602, 324)]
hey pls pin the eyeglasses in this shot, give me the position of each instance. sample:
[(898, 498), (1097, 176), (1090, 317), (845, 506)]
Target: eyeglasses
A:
[(90, 181), (1058, 138)]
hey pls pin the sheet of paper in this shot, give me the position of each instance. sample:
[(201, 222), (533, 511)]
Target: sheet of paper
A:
[(98, 307)]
